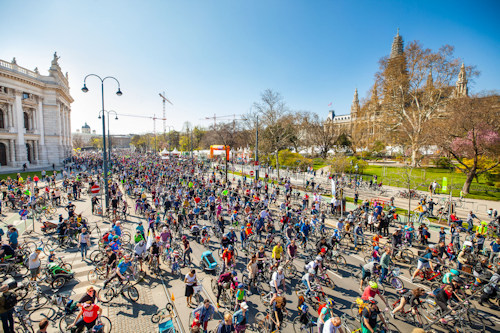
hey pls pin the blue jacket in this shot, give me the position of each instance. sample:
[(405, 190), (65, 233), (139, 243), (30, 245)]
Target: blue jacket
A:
[(205, 314)]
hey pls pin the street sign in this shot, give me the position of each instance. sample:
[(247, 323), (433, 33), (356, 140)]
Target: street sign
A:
[(251, 173), (95, 189)]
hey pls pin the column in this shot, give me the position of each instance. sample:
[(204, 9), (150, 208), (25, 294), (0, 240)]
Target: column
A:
[(11, 116), (12, 153), (21, 156), (41, 128), (35, 151)]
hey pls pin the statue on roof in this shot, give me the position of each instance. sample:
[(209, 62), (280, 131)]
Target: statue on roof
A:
[(36, 70), (55, 60), (14, 61)]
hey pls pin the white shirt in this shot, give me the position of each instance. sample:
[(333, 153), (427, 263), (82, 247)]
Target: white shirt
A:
[(278, 278), (34, 261), (329, 328)]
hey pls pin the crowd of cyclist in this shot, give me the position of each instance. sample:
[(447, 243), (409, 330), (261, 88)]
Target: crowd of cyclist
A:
[(176, 198)]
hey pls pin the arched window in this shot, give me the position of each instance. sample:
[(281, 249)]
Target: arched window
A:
[(26, 121), (2, 124)]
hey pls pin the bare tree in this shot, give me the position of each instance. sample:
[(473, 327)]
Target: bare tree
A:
[(416, 86), (277, 121), (322, 135)]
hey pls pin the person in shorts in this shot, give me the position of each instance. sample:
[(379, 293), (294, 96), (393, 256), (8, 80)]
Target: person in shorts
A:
[(87, 317), (34, 264)]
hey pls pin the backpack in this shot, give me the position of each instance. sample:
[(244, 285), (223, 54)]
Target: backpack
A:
[(10, 300), (321, 306)]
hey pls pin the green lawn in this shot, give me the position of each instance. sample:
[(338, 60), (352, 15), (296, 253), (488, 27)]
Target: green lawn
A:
[(25, 174), (424, 176), (319, 163)]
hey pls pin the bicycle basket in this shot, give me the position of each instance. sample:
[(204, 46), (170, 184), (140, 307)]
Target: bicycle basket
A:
[(396, 271), (197, 289)]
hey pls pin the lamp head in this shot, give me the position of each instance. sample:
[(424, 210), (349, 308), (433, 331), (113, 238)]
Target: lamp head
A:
[(85, 89), (116, 117), (99, 116), (119, 92)]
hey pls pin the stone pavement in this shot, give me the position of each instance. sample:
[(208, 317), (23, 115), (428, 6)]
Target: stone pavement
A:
[(125, 315)]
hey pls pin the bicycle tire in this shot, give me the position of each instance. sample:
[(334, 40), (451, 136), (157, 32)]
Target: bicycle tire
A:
[(397, 283), (107, 324), (23, 328), (133, 293), (43, 313), (36, 302), (159, 315), (106, 294)]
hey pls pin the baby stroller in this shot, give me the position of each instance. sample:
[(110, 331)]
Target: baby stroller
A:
[(208, 262), (195, 231)]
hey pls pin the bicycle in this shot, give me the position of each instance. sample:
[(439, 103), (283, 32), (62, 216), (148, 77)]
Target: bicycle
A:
[(107, 294), (264, 321), (412, 313), (23, 321), (299, 327), (162, 314), (69, 319)]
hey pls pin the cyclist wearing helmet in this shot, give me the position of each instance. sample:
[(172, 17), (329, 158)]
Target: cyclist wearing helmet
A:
[(307, 279), (369, 317), (448, 277), (314, 264), (139, 250), (367, 271), (228, 257), (325, 314), (371, 291), (154, 250), (120, 270), (115, 243)]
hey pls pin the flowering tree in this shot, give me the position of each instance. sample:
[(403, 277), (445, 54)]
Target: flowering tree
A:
[(471, 133)]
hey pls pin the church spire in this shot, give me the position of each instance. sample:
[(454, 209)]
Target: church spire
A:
[(461, 89), (397, 46), (355, 104), (430, 80)]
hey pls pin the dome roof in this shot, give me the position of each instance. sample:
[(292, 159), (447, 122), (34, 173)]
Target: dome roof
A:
[(85, 126)]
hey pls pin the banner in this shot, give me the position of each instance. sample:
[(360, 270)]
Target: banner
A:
[(334, 191), (444, 188)]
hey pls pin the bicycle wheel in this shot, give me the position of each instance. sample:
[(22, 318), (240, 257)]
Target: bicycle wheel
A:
[(23, 328), (36, 302), (354, 309), (407, 256), (340, 261), (392, 301), (290, 270), (260, 320), (92, 276), (106, 294), (159, 315), (133, 293), (52, 244), (298, 327), (107, 325), (396, 283), (58, 282), (43, 313), (67, 320), (125, 237)]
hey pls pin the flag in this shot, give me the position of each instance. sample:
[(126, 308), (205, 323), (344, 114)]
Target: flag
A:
[(334, 191), (330, 104)]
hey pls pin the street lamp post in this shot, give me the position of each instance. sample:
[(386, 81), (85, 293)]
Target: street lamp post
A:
[(109, 136), (257, 150), (356, 168), (104, 159)]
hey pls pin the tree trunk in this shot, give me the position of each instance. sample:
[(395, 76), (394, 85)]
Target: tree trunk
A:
[(414, 156), (468, 181), (277, 165)]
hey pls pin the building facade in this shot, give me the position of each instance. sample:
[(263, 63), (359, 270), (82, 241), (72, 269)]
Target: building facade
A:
[(365, 122), (35, 115)]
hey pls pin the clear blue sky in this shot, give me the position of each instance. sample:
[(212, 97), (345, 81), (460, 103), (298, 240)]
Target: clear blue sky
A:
[(214, 56)]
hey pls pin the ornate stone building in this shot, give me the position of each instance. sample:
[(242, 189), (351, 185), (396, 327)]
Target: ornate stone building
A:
[(365, 122), (35, 115)]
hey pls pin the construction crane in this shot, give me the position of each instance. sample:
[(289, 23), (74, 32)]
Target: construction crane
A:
[(164, 112), (215, 117), (147, 117)]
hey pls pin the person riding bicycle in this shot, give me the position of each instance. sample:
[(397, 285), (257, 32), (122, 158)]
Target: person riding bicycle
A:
[(369, 316), (204, 313), (240, 318), (448, 277), (411, 297), (371, 291), (308, 279), (120, 270), (322, 244), (314, 264), (115, 243), (154, 250), (276, 253), (88, 316), (277, 281), (424, 262), (332, 325), (226, 281), (367, 270), (229, 257), (325, 313)]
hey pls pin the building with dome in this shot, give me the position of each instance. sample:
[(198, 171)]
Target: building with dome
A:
[(35, 115)]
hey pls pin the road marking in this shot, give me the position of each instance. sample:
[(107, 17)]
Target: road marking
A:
[(339, 276), (355, 256), (404, 278)]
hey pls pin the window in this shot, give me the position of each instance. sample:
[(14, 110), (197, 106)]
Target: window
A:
[(2, 124), (26, 95), (26, 121)]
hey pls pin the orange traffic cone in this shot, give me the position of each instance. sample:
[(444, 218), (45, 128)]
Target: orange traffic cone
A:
[(173, 297)]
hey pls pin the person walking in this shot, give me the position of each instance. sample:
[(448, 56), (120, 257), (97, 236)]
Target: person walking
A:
[(84, 242), (205, 313), (190, 281), (34, 263)]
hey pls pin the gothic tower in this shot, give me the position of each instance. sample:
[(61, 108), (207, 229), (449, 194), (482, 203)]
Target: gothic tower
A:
[(461, 89), (355, 105), (397, 46)]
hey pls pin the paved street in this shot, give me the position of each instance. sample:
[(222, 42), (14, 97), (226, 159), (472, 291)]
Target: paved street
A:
[(156, 292)]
